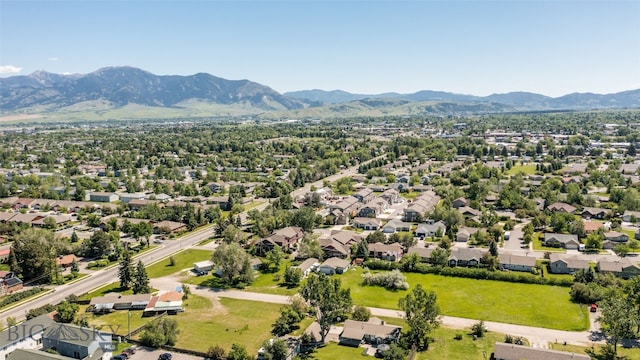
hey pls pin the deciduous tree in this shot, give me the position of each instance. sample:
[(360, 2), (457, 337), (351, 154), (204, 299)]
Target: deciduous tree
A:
[(421, 314), (328, 300)]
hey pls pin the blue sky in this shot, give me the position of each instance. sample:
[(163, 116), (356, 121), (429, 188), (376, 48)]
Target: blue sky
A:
[(471, 47)]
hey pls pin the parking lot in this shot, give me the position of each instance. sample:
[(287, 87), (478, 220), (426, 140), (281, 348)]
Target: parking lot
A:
[(143, 353)]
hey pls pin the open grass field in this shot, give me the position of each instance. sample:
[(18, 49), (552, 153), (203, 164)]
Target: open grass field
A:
[(527, 169), (631, 354), (269, 283), (205, 324), (101, 291), (499, 301), (183, 260)]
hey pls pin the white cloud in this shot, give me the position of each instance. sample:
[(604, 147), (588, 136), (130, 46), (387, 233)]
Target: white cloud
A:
[(9, 69), (55, 58)]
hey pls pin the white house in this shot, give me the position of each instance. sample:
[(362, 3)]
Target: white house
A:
[(27, 335)]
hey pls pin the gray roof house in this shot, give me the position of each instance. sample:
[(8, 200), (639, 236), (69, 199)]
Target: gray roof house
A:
[(307, 266), (567, 241), (466, 256), (396, 225), (517, 262), (374, 331), (430, 229), (77, 342), (505, 351), (27, 335), (334, 265), (559, 264)]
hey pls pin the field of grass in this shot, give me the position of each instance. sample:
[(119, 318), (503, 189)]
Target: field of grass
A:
[(269, 283), (527, 169), (205, 324), (631, 354), (410, 195), (512, 303), (183, 260), (101, 291), (118, 322)]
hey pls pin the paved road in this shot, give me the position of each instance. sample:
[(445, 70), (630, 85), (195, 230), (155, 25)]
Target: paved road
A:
[(106, 276)]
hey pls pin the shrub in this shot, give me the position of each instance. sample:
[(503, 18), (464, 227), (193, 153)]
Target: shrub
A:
[(478, 329), (458, 336), (12, 298), (361, 313), (393, 280)]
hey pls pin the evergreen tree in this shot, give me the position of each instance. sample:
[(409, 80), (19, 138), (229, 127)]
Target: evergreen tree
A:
[(126, 271), (141, 280)]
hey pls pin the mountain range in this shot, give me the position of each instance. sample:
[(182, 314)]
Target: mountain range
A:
[(112, 88)]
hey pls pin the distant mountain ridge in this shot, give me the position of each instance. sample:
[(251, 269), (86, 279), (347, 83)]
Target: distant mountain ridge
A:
[(125, 85), (519, 100), (114, 92)]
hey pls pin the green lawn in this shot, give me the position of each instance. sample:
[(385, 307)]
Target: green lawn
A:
[(499, 301), (253, 205), (443, 347), (205, 324), (527, 169), (410, 195), (109, 288), (118, 321), (537, 245), (269, 283), (631, 354), (183, 260)]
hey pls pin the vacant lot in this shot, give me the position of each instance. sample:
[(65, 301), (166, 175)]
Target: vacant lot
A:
[(205, 323), (523, 304), (182, 260)]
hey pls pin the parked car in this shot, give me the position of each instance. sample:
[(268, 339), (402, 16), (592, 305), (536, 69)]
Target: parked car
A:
[(593, 308), (129, 350), (119, 357), (164, 356)]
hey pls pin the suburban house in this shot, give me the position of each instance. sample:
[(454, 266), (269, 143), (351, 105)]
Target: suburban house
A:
[(624, 268), (504, 351), (373, 332), (592, 226), (459, 202), (466, 256), (168, 227), (364, 195), (112, 302), (566, 265), (5, 252), (77, 342), (464, 234), (567, 241), (594, 213), (308, 266), (561, 207), (517, 262), (431, 229), (334, 265), (348, 207), (366, 223), (286, 238), (333, 248), (103, 197), (423, 252), (27, 335), (396, 225), (613, 238), (168, 301), (390, 252), (628, 216), (9, 283), (58, 220), (203, 266), (424, 203), (128, 197), (66, 261), (391, 195)]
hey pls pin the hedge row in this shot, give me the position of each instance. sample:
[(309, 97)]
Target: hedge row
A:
[(12, 298), (471, 273)]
